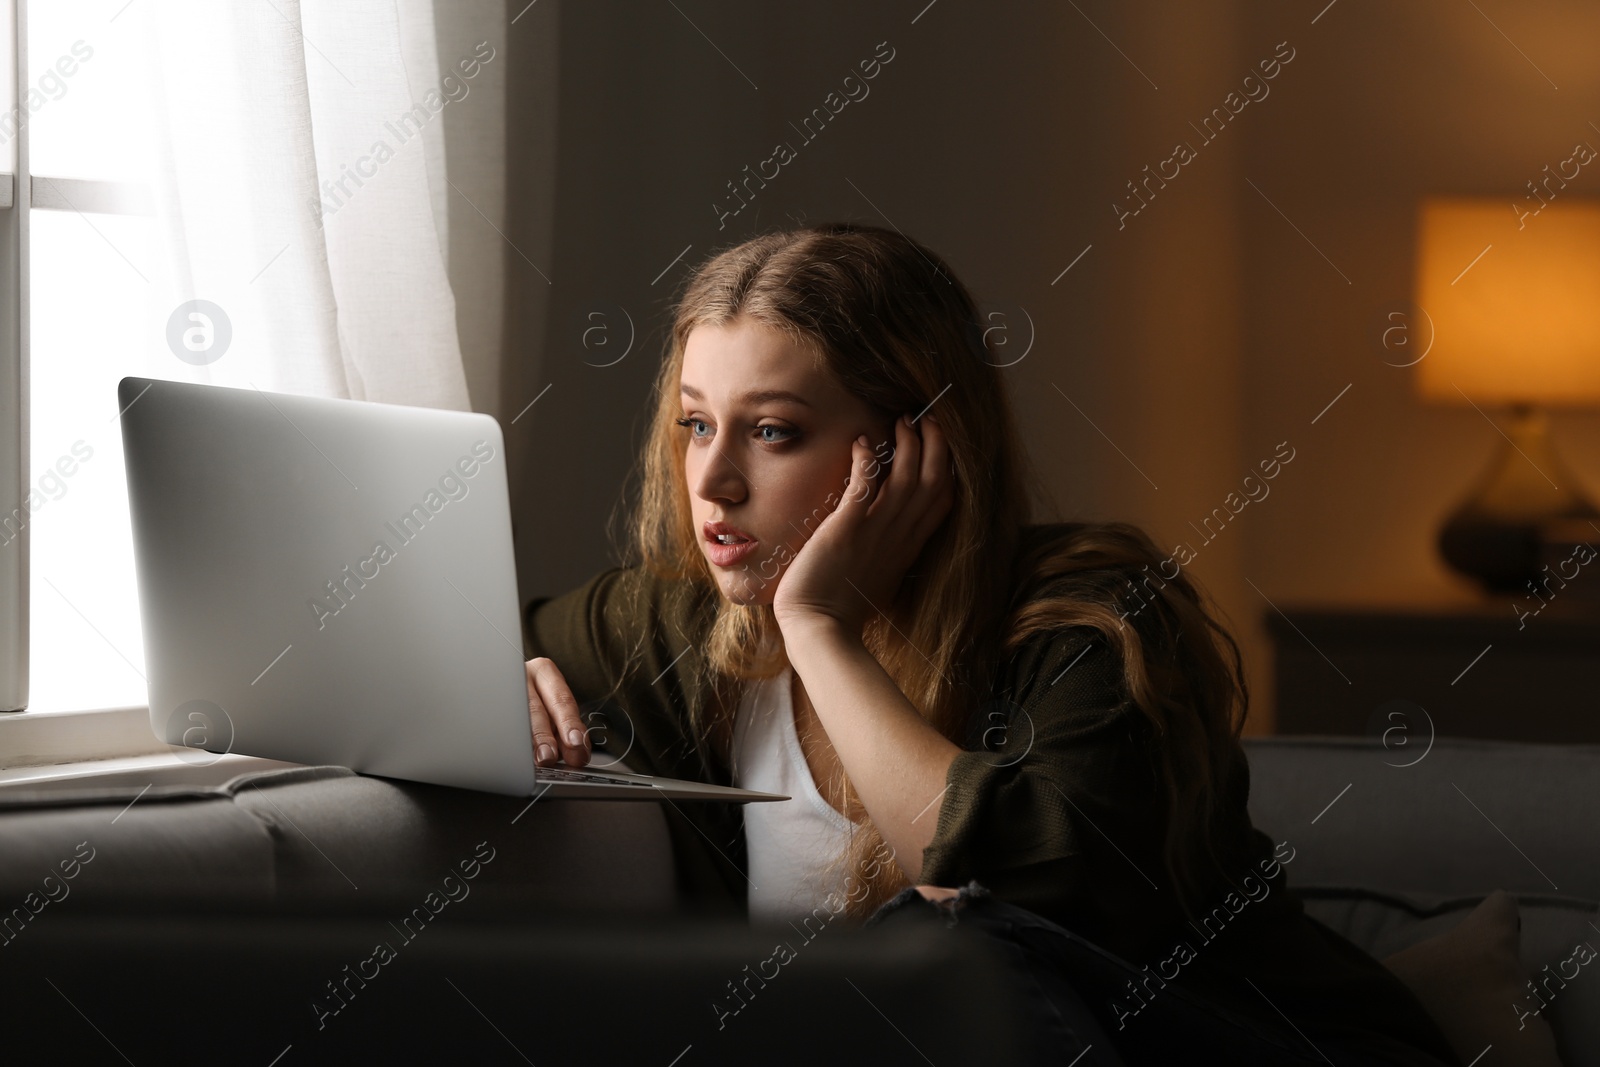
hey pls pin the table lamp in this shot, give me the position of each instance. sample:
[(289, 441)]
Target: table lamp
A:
[(1512, 288)]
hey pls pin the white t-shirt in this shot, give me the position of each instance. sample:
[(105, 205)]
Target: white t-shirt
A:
[(791, 842)]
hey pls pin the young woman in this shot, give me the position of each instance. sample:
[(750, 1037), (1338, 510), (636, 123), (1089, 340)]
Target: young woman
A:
[(836, 593)]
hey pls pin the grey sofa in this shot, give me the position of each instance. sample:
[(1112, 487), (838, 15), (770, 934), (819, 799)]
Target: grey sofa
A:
[(189, 861), (1389, 854)]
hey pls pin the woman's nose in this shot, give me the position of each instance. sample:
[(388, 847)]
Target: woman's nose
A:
[(720, 478)]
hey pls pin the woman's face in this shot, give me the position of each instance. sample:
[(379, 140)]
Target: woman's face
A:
[(767, 450)]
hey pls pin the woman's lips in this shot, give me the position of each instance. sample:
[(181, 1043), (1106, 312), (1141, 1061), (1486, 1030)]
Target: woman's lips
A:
[(722, 553)]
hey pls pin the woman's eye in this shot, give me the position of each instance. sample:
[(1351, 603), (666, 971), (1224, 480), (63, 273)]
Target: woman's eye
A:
[(781, 433), (694, 426)]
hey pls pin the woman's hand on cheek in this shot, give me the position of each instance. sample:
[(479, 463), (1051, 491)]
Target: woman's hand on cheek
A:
[(853, 564)]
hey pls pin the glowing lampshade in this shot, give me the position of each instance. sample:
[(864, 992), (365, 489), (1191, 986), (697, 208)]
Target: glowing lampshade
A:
[(1513, 293)]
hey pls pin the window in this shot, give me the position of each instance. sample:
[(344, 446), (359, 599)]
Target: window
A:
[(76, 131), (158, 159)]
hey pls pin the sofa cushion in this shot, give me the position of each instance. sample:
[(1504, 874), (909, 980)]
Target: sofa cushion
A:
[(1388, 926), (1396, 844), (320, 835), (336, 833), (159, 846), (1467, 975)]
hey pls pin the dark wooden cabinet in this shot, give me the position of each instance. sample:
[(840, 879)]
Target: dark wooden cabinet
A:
[(1483, 673)]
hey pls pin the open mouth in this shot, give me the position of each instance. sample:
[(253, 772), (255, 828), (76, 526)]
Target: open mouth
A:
[(725, 544)]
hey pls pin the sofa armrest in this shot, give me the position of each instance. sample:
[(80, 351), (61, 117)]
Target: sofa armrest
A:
[(312, 835)]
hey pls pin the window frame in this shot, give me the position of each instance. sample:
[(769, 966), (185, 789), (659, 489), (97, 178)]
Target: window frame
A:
[(42, 738), (14, 408)]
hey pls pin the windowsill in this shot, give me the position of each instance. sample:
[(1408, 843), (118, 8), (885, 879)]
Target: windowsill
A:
[(51, 738), (106, 747), (134, 772)]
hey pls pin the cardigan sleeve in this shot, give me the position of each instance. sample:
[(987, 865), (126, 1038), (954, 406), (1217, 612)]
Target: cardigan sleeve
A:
[(628, 645), (569, 630), (1042, 818)]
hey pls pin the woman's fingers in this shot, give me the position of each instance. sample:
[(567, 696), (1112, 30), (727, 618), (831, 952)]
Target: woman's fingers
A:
[(935, 481), (864, 486), (935, 457), (539, 718), (918, 490), (903, 472), (553, 714)]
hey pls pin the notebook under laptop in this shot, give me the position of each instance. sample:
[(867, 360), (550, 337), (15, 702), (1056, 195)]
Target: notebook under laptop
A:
[(332, 582)]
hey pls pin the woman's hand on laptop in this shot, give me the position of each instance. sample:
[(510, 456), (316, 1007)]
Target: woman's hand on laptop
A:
[(553, 711)]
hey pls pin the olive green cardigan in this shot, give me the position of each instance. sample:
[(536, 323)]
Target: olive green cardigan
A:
[(1066, 819)]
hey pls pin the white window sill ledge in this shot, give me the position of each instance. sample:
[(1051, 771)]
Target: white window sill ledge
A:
[(133, 773), (43, 739), (106, 747)]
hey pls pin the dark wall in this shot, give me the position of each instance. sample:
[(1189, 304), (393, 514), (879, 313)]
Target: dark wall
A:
[(1184, 345)]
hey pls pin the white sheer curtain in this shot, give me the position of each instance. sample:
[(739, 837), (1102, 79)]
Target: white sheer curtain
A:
[(300, 182), (295, 153)]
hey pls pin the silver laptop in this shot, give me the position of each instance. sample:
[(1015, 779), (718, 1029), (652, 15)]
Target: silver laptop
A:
[(332, 582)]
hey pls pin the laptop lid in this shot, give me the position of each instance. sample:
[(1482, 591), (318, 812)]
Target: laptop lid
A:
[(328, 581)]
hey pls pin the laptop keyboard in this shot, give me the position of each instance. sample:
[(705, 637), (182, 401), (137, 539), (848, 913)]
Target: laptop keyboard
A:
[(562, 774)]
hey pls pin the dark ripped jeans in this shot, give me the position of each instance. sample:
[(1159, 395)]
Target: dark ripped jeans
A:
[(1069, 983)]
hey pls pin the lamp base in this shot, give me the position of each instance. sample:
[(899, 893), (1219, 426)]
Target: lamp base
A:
[(1497, 535)]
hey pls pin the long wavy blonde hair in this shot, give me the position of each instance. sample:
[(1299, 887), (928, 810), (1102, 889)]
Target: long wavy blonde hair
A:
[(890, 322)]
